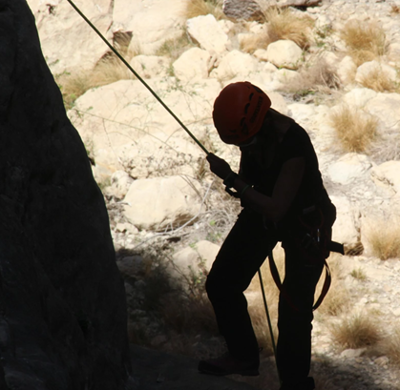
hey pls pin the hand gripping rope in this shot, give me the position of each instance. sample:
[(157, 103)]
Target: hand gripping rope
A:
[(183, 127)]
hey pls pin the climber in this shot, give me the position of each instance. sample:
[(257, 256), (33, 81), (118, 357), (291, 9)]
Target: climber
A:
[(284, 200)]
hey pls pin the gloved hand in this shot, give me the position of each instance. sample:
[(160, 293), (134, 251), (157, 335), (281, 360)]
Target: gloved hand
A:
[(219, 166)]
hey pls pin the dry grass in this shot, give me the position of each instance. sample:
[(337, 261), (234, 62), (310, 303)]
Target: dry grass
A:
[(318, 77), (365, 41), (384, 238), (355, 130), (337, 300), (284, 24), (76, 83), (379, 81), (357, 331), (204, 7)]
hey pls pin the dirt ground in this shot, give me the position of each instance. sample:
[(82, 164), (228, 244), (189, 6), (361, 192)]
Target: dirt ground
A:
[(155, 370)]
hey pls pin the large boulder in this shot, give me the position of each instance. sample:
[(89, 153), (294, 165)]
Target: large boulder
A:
[(62, 301), (284, 54), (208, 33), (66, 39), (125, 128), (160, 203)]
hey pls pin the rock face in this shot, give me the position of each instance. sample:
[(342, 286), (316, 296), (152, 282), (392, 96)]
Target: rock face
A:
[(62, 301)]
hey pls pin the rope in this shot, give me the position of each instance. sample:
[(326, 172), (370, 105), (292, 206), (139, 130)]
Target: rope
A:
[(137, 76), (271, 333)]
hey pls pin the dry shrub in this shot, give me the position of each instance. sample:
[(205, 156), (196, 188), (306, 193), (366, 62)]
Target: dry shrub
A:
[(357, 331), (319, 77), (76, 83), (173, 48), (379, 81), (204, 7), (251, 43), (355, 130), (365, 41), (384, 238), (337, 300), (284, 24)]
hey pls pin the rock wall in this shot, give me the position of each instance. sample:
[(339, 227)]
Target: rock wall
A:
[(62, 302)]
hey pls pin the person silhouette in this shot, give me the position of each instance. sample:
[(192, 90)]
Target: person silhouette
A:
[(283, 200)]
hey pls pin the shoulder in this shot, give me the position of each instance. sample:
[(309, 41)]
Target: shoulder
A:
[(296, 141)]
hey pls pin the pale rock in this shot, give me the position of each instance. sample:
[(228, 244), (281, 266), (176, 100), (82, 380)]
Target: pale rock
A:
[(159, 203), (125, 128), (387, 175), (193, 64), (208, 33), (284, 54), (235, 64), (149, 67), (345, 228), (350, 167), (323, 22), (285, 76), (371, 68), (386, 107), (123, 227), (226, 25), (352, 353), (346, 70), (359, 97), (207, 251), (185, 263), (152, 23), (278, 102), (120, 183), (301, 113), (67, 41), (261, 54), (394, 51)]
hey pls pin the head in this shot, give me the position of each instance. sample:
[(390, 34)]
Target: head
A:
[(239, 112)]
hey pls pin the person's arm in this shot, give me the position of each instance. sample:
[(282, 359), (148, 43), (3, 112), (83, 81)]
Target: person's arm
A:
[(273, 207)]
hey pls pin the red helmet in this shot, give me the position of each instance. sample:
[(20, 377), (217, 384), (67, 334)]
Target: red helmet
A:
[(239, 112)]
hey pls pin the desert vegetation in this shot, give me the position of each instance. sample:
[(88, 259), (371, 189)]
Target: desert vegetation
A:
[(355, 130), (365, 41)]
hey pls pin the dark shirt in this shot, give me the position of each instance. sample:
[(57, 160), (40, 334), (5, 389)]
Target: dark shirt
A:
[(295, 143)]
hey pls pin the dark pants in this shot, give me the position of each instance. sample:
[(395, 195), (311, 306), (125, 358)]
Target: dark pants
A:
[(241, 255)]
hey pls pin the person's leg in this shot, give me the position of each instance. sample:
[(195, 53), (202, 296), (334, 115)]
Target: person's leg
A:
[(242, 253), (294, 323)]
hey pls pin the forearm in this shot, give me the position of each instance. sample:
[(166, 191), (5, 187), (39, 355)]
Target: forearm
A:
[(272, 209)]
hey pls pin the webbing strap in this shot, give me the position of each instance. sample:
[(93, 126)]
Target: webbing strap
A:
[(277, 280)]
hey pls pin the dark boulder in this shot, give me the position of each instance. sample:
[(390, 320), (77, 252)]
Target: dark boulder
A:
[(62, 301), (252, 9)]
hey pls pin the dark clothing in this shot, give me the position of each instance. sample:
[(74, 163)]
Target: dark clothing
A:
[(296, 143), (248, 244)]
